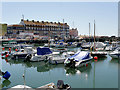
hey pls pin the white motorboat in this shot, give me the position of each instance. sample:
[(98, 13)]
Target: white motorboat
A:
[(71, 44), (22, 46), (61, 50), (60, 86), (79, 59), (56, 58), (50, 44), (99, 46), (60, 44), (22, 53), (10, 43), (109, 48), (42, 54), (21, 87), (115, 53), (98, 53), (86, 46)]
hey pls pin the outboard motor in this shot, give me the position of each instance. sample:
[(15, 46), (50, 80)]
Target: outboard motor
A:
[(28, 57), (60, 84), (72, 63)]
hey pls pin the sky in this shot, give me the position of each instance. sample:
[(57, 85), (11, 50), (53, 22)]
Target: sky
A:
[(76, 14)]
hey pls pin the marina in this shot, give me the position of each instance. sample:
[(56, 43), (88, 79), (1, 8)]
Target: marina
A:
[(96, 74), (59, 45)]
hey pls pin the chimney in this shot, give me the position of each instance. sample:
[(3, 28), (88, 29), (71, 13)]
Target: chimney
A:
[(32, 20), (42, 21)]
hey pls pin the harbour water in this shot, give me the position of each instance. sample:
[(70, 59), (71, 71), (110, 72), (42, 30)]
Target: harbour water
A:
[(102, 73)]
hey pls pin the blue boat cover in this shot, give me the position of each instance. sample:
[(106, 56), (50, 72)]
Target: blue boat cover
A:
[(43, 51), (81, 55), (61, 43), (6, 75)]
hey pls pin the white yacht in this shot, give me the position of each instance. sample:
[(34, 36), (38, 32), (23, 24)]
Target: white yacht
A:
[(22, 53), (79, 59), (42, 54), (56, 58), (115, 53)]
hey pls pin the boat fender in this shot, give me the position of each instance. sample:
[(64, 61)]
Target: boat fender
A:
[(9, 49), (6, 75), (6, 55), (95, 57), (3, 48), (16, 50)]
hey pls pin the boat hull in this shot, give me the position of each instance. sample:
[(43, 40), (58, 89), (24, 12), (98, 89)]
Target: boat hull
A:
[(117, 56), (84, 62), (61, 61), (98, 54)]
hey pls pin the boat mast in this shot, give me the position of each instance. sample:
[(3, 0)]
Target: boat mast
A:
[(94, 35), (89, 36), (89, 32)]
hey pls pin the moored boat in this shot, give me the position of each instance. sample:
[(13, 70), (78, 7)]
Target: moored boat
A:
[(79, 59), (98, 53), (56, 58), (115, 53), (60, 86), (22, 53), (42, 54)]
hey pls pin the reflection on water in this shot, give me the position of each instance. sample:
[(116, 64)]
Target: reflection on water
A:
[(79, 70), (115, 61), (6, 83), (41, 66), (98, 74)]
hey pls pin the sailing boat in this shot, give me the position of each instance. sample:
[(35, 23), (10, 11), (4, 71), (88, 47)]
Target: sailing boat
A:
[(97, 53)]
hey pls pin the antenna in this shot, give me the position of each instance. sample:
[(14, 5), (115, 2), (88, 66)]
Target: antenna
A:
[(73, 24), (63, 20), (23, 16)]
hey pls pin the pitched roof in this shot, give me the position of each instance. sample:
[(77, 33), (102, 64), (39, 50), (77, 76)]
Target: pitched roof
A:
[(43, 23)]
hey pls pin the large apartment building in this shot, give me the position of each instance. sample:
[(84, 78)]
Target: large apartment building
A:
[(73, 33), (36, 28)]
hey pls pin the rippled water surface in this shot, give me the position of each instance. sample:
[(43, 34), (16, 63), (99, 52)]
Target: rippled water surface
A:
[(102, 73)]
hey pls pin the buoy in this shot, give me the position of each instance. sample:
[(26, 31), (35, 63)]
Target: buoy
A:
[(95, 57), (2, 54), (9, 48), (16, 50), (6, 55), (3, 48)]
